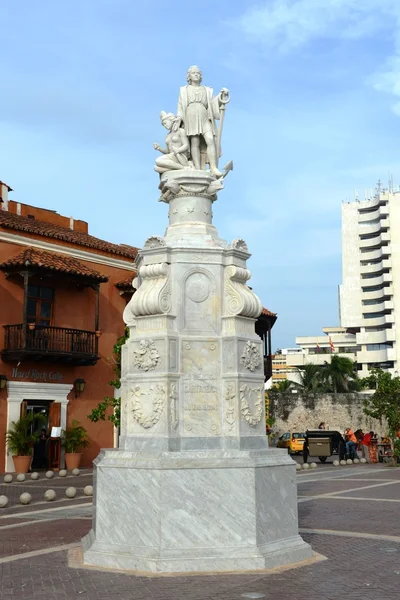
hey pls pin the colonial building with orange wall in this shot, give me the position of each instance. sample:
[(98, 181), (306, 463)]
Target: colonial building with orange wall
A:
[(62, 294)]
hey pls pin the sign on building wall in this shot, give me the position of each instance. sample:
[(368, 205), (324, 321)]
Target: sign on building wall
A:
[(34, 375)]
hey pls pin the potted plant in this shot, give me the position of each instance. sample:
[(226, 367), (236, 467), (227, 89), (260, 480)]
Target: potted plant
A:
[(21, 439), (74, 438)]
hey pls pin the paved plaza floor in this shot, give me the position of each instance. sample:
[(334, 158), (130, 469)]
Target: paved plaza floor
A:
[(350, 516)]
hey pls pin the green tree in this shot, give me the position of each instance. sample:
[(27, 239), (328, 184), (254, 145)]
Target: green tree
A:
[(24, 434), (283, 386), (101, 412), (311, 378), (385, 404), (340, 375)]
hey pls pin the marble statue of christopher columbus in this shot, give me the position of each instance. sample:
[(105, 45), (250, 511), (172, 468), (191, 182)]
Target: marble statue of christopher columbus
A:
[(198, 109)]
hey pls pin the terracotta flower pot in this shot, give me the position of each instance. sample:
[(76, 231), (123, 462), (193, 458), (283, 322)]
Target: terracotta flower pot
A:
[(22, 463), (73, 460)]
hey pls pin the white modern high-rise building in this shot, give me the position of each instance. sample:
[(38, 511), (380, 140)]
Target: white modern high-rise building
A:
[(369, 296)]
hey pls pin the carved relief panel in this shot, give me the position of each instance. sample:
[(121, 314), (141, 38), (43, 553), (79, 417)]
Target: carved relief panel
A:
[(252, 400), (200, 387), (146, 404), (200, 302), (251, 357)]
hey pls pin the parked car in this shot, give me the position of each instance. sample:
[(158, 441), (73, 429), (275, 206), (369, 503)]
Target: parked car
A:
[(292, 441)]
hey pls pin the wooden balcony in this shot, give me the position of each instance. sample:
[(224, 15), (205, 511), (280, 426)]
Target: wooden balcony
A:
[(54, 344)]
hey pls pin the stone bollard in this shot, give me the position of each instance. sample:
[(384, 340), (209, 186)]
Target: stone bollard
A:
[(49, 474), (25, 498), (75, 472), (49, 495), (34, 476), (8, 478), (62, 473), (21, 477), (70, 492), (3, 501), (88, 490), (336, 463)]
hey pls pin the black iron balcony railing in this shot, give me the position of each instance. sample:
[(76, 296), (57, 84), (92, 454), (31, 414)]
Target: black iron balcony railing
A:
[(55, 343)]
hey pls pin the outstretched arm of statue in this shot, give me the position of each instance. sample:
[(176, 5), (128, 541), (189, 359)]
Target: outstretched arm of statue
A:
[(162, 150)]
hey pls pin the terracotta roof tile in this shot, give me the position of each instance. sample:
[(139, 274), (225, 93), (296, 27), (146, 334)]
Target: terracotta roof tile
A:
[(126, 284), (19, 223), (268, 313), (50, 261)]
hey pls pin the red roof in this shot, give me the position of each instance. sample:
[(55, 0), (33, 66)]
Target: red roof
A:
[(126, 284), (268, 313), (18, 223), (50, 261)]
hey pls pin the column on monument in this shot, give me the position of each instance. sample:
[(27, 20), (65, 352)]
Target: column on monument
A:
[(243, 378), (149, 377)]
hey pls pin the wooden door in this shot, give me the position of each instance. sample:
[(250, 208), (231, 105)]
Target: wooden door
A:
[(24, 404), (54, 444), (54, 415)]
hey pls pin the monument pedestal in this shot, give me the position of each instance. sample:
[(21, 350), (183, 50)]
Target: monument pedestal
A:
[(193, 486), (195, 511)]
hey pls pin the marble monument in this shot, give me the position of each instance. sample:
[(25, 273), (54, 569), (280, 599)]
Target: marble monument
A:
[(193, 485)]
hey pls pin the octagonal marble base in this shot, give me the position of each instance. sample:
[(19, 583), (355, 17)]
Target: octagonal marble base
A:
[(195, 511)]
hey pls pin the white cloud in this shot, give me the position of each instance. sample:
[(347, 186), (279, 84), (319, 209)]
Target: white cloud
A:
[(287, 25)]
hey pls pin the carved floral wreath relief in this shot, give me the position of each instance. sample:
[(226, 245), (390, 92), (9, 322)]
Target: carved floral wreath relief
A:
[(147, 356), (251, 357), (157, 394), (246, 392)]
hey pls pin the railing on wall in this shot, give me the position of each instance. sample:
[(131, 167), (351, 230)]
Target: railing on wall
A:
[(44, 339)]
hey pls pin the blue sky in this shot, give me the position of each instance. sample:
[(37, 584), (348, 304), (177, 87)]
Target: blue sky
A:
[(314, 114)]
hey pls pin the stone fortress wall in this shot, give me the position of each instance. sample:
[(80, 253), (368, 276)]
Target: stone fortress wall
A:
[(299, 412)]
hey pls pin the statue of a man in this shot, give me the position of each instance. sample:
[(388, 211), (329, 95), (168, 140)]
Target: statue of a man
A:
[(197, 111)]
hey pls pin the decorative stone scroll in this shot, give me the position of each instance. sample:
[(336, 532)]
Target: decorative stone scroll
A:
[(246, 392), (251, 357), (153, 297), (154, 393), (238, 298), (147, 356), (239, 244), (154, 241)]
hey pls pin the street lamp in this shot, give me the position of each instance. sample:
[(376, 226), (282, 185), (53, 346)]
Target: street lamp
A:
[(79, 386), (3, 382)]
